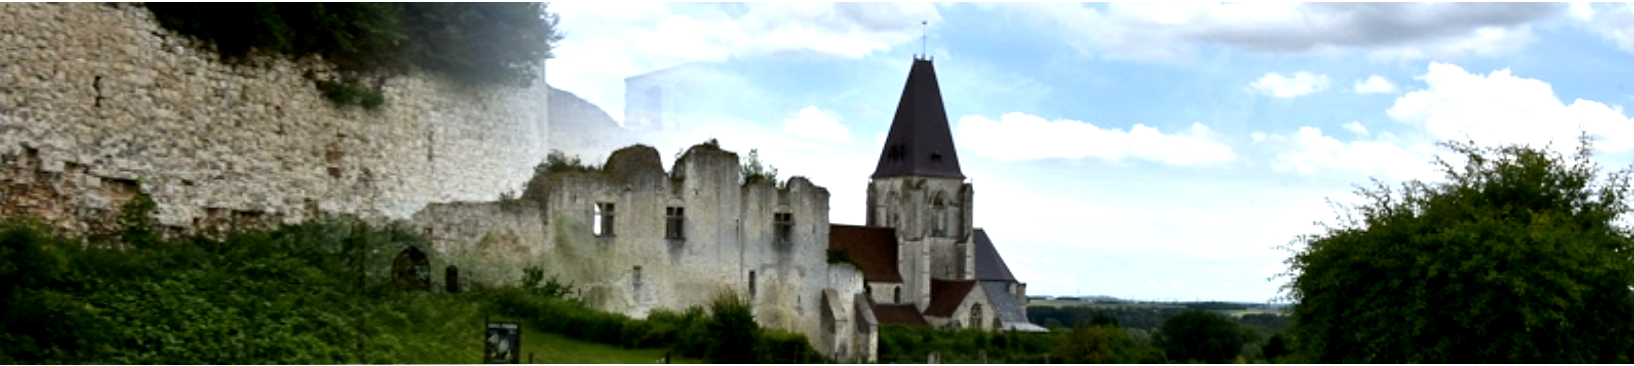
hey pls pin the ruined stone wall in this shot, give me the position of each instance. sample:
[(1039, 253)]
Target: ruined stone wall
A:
[(96, 98), (728, 233)]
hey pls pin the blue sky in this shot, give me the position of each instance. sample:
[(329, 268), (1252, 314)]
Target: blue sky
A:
[(1150, 151)]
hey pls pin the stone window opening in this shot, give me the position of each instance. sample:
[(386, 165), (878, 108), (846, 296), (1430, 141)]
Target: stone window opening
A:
[(751, 284), (673, 218), (897, 297), (635, 277), (939, 216), (975, 315), (783, 227), (603, 225)]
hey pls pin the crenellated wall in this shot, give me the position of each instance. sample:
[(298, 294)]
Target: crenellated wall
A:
[(96, 98)]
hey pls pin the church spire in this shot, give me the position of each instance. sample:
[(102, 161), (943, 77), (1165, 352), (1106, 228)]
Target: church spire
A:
[(920, 142)]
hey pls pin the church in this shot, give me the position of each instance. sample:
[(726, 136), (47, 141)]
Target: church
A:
[(923, 261)]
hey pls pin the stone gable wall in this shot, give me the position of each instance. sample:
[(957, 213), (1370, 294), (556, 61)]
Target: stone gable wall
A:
[(96, 99)]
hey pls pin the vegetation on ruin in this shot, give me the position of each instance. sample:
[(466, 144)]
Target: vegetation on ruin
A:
[(366, 43), (1518, 256), (837, 256), (755, 171), (313, 293)]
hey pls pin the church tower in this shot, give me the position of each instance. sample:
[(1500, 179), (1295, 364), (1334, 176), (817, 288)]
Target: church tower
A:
[(918, 189)]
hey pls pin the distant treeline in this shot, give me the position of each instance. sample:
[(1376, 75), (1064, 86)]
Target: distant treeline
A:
[(1144, 317)]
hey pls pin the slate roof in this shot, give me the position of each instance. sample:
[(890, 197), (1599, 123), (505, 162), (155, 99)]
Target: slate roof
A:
[(946, 295), (899, 314), (920, 142), (1009, 308), (989, 264), (873, 248)]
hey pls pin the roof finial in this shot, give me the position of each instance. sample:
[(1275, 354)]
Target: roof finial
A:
[(923, 34)]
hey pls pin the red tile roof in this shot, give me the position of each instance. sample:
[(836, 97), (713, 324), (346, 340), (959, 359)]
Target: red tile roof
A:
[(946, 295), (899, 314), (873, 248)]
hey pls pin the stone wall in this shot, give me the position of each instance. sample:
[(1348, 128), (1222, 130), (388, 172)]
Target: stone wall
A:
[(728, 242), (96, 99)]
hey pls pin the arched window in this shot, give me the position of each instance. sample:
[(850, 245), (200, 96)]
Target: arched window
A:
[(975, 315), (898, 295)]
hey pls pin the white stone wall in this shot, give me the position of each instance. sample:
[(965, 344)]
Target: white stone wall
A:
[(728, 233), (100, 93)]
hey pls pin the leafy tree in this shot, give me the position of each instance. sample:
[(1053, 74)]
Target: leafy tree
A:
[(1101, 343), (732, 330), (1197, 335), (1517, 257), (754, 171)]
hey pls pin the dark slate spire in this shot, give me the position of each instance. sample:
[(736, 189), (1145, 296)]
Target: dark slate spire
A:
[(920, 142)]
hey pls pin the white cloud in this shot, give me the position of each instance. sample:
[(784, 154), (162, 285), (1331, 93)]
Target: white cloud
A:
[(1310, 152), (1382, 30), (1280, 86), (1612, 21), (813, 124), (1374, 85), (1356, 128), (606, 42), (1020, 136), (1501, 108), (1258, 136)]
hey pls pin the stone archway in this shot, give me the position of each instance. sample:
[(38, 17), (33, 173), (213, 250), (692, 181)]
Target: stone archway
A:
[(412, 270)]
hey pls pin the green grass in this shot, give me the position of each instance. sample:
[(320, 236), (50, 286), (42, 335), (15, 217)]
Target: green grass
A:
[(555, 348)]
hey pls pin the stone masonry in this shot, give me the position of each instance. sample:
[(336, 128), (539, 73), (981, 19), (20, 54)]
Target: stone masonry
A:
[(98, 99)]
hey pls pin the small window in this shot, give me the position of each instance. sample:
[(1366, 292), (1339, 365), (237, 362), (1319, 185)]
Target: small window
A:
[(936, 158), (673, 218), (939, 216), (975, 315), (751, 284), (603, 225), (783, 225), (635, 277), (898, 295)]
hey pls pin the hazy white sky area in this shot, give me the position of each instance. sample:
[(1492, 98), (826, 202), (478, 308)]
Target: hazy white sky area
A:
[(1136, 150)]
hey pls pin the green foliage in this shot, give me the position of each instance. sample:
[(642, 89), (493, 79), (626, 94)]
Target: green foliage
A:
[(1102, 343), (903, 344), (479, 43), (732, 330), (351, 92), (136, 221), (290, 295), (1517, 257), (754, 171), (1201, 336)]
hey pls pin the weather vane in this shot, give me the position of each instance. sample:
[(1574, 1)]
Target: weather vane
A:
[(923, 35)]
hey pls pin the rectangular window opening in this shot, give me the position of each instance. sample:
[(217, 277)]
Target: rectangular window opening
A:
[(674, 217), (783, 227), (603, 225)]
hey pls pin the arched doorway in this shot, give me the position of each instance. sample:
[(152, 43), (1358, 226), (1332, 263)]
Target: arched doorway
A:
[(412, 270)]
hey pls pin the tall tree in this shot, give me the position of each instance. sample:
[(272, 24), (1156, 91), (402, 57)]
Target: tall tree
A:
[(1518, 256), (1197, 335)]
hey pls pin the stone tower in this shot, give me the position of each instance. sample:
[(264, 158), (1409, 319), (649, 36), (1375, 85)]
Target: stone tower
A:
[(918, 189)]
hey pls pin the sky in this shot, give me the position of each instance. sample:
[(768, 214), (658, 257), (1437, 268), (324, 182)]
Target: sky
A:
[(1138, 150)]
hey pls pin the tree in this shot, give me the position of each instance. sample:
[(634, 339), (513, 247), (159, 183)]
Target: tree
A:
[(1517, 257), (754, 171), (1197, 335), (1101, 343), (732, 330)]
